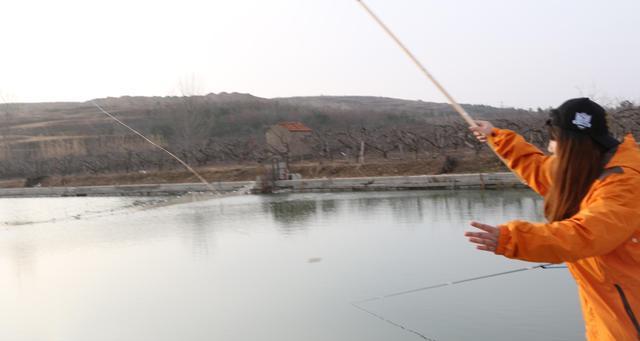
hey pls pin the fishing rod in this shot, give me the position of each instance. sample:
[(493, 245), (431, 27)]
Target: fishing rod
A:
[(424, 70), (472, 123), (358, 304), (456, 106)]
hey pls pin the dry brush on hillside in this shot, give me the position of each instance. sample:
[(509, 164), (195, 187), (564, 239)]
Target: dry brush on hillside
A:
[(39, 140)]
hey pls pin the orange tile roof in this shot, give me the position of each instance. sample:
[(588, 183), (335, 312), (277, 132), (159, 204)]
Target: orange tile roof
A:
[(295, 126)]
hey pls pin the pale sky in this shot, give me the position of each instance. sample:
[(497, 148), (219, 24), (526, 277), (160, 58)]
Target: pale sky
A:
[(524, 53)]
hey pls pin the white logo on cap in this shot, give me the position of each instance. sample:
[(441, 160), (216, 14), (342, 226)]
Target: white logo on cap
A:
[(582, 120)]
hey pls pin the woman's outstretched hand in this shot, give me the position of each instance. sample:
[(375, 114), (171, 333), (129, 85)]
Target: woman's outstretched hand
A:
[(483, 130), (487, 240)]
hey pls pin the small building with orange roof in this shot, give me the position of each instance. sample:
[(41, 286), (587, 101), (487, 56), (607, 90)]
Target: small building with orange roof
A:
[(289, 139)]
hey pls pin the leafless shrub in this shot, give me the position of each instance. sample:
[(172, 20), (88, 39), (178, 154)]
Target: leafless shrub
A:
[(205, 130)]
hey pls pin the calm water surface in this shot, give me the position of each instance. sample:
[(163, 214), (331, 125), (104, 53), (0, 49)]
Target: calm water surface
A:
[(283, 267)]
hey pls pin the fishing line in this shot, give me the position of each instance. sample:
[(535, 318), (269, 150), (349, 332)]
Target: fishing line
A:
[(393, 323), (445, 284), (193, 171), (358, 304), (137, 206), (153, 204), (157, 203), (91, 214)]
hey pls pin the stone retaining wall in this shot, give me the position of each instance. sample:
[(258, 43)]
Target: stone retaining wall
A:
[(125, 190), (447, 181)]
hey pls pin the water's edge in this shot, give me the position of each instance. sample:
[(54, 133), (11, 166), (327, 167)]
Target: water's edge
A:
[(391, 183)]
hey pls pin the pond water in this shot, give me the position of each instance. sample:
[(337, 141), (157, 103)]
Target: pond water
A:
[(280, 267)]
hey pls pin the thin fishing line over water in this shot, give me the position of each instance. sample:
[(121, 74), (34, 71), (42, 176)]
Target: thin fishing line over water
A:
[(358, 304), (187, 198), (398, 325), (87, 214), (136, 206), (445, 284), (141, 205)]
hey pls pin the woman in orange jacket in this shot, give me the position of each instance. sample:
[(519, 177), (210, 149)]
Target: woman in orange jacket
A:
[(591, 190)]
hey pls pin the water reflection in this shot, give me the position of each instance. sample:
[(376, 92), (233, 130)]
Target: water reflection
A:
[(293, 216), (200, 271), (22, 256), (328, 206), (198, 231)]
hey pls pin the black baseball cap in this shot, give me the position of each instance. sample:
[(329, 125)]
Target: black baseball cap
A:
[(585, 116)]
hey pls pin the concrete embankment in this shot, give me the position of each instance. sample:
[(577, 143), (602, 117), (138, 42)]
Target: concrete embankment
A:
[(447, 181), (126, 190)]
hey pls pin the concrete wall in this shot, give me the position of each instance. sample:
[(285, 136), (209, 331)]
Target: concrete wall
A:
[(126, 190), (447, 181), (389, 183)]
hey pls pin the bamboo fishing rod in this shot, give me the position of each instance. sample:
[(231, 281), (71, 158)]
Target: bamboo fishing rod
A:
[(456, 106), (423, 69), (472, 123)]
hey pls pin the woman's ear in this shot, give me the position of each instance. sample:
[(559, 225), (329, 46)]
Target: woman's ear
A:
[(552, 146)]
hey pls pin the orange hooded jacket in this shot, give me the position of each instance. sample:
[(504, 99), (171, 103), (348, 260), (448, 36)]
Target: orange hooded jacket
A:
[(600, 243)]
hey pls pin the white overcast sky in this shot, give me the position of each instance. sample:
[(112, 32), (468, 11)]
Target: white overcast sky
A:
[(524, 53)]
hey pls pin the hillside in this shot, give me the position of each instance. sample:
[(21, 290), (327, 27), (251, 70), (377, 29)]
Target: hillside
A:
[(47, 139), (71, 118)]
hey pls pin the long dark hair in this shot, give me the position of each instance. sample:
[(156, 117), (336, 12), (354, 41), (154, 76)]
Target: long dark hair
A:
[(578, 163)]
